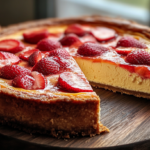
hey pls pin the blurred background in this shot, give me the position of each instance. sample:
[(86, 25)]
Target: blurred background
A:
[(15, 11)]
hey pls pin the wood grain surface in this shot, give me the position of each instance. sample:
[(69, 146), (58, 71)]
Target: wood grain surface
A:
[(127, 117)]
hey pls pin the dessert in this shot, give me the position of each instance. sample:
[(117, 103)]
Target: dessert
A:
[(43, 89), (50, 94)]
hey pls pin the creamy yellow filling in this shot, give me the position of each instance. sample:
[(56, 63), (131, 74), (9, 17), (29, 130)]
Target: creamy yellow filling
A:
[(113, 75)]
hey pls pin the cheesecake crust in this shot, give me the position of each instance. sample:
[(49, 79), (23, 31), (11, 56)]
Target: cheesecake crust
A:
[(122, 91), (119, 23)]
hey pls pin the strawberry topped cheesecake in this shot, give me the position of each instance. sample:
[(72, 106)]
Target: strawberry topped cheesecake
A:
[(46, 67)]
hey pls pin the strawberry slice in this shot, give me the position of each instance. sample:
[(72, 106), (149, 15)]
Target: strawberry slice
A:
[(40, 81), (48, 45), (64, 63), (23, 81), (47, 66), (103, 34), (76, 29), (124, 51), (128, 41), (11, 71), (11, 45), (34, 58), (69, 40), (8, 59), (73, 83), (91, 49), (27, 52), (88, 38), (61, 52), (138, 57), (34, 37)]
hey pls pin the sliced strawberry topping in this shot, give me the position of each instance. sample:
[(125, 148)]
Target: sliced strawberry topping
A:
[(35, 36), (8, 59), (23, 81), (76, 29), (128, 41), (103, 34), (47, 66), (124, 51), (73, 83), (11, 45), (40, 80), (61, 52), (64, 63), (69, 40), (138, 57), (88, 38), (34, 58), (48, 45), (12, 71), (91, 49), (27, 52)]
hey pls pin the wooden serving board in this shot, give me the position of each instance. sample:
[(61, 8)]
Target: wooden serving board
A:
[(127, 117)]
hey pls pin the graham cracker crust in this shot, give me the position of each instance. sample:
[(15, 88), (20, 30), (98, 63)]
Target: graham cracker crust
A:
[(122, 91), (53, 133)]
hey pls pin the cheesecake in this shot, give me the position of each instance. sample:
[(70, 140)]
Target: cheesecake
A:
[(43, 90), (51, 97), (46, 67)]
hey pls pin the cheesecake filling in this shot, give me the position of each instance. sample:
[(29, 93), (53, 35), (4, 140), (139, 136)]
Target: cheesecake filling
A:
[(113, 75)]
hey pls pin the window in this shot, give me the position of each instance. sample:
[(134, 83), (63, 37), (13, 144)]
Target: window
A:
[(137, 10)]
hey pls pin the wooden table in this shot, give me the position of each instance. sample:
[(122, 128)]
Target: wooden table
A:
[(127, 117)]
